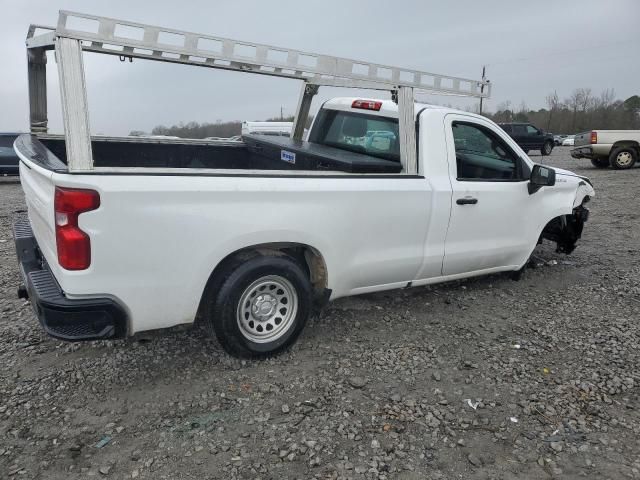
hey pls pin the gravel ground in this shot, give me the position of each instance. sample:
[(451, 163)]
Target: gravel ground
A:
[(487, 378)]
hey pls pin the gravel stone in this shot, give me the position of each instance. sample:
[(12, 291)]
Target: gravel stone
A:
[(556, 446), (357, 382), (474, 460)]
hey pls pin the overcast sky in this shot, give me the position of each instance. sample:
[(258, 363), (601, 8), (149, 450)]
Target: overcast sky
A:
[(530, 49)]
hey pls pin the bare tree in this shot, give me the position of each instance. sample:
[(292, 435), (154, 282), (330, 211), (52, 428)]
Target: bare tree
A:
[(586, 99), (586, 104), (521, 114), (601, 108), (574, 101), (553, 102), (504, 113), (607, 97)]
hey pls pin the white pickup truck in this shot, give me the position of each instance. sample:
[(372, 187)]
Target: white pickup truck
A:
[(251, 237)]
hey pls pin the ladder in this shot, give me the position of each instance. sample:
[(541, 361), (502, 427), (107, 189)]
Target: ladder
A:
[(77, 32)]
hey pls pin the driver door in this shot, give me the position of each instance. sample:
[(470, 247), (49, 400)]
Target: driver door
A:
[(491, 209)]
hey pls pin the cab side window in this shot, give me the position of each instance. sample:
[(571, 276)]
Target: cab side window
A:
[(532, 130), (481, 155)]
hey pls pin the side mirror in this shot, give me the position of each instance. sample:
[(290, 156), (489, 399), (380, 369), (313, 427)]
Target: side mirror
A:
[(541, 176)]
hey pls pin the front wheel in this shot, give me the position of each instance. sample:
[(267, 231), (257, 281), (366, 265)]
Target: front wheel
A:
[(261, 307), (547, 148), (623, 158), (600, 162)]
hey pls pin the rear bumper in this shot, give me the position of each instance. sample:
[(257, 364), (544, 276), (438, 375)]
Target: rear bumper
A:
[(593, 151), (582, 152), (61, 317)]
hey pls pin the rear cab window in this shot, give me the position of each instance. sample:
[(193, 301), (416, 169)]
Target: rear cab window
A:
[(356, 132)]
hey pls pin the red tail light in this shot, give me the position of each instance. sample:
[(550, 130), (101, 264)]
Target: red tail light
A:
[(74, 245), (594, 137), (367, 105)]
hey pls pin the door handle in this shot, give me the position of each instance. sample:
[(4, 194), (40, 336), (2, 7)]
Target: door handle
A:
[(467, 201)]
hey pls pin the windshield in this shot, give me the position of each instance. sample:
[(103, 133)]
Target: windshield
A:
[(357, 132)]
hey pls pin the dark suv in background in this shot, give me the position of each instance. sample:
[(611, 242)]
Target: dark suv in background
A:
[(8, 159), (529, 137)]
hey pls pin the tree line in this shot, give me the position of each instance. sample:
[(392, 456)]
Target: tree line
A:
[(582, 110), (197, 130), (204, 130)]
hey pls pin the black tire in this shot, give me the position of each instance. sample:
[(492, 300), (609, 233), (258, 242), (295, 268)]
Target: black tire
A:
[(222, 307), (547, 148), (623, 158), (600, 162)]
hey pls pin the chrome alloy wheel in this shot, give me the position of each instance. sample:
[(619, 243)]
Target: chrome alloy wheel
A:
[(624, 159), (267, 309)]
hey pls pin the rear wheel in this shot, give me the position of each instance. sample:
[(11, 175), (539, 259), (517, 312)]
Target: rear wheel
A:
[(623, 158), (547, 148), (600, 162), (261, 307)]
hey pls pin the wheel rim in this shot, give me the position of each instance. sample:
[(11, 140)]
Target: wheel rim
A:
[(624, 159), (547, 148), (267, 309)]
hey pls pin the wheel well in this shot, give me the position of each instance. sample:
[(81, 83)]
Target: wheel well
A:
[(626, 143), (565, 230), (307, 256)]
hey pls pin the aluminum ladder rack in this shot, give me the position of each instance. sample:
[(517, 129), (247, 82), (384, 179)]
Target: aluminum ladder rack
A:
[(76, 32)]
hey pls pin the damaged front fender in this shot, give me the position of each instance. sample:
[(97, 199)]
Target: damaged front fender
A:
[(584, 193)]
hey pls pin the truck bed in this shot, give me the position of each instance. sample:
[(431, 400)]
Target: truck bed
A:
[(607, 137), (165, 153), (255, 152)]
